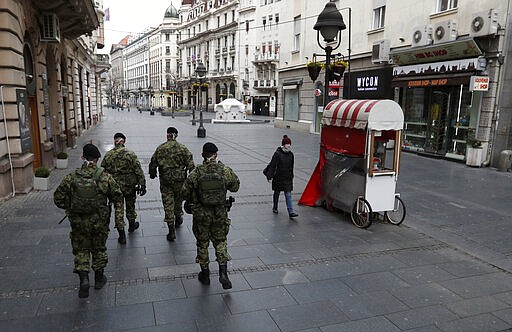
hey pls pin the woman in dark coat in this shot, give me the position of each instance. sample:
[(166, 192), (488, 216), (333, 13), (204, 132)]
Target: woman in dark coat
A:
[(280, 171)]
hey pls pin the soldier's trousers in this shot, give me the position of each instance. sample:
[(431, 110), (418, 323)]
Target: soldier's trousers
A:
[(131, 214), (88, 239), (211, 224), (172, 201)]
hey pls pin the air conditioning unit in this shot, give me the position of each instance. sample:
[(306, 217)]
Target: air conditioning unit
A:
[(380, 51), (484, 23), (422, 35), (445, 31), (50, 31)]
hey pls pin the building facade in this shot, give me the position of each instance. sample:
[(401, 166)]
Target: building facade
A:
[(50, 83)]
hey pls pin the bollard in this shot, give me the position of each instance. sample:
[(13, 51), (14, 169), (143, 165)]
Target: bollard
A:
[(505, 162)]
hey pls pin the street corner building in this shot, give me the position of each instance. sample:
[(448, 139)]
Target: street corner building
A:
[(50, 83)]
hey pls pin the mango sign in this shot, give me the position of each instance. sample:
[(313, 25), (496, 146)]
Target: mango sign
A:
[(479, 83)]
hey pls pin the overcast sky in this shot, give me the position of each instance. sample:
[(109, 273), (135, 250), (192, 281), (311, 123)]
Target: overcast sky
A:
[(131, 16)]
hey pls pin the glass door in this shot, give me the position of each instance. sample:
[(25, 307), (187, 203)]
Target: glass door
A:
[(438, 118)]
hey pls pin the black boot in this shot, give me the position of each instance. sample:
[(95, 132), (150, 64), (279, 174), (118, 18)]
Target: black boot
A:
[(172, 233), (223, 276), (100, 279), (122, 236), (204, 275), (84, 284), (132, 226), (178, 221)]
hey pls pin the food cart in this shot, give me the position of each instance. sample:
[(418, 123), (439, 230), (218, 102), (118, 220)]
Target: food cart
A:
[(359, 161)]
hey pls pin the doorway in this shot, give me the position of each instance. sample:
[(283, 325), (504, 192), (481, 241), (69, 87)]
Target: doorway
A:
[(260, 106)]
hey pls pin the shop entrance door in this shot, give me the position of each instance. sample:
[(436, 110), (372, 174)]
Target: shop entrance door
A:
[(438, 120)]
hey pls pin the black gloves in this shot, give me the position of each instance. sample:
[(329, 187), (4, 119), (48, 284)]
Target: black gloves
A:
[(140, 189)]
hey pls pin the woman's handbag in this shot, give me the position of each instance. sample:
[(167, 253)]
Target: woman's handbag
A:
[(266, 172)]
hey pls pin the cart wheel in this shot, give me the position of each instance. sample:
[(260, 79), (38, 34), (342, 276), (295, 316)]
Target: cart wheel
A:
[(397, 216), (361, 212)]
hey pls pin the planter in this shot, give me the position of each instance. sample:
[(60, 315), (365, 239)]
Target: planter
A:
[(41, 183), (62, 163), (474, 156), (337, 72), (314, 71)]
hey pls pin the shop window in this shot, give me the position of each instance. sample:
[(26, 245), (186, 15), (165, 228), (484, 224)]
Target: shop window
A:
[(415, 117), (443, 5), (291, 103), (384, 152)]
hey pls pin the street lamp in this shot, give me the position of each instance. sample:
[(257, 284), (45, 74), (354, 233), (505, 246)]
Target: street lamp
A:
[(150, 100), (329, 24), (200, 72)]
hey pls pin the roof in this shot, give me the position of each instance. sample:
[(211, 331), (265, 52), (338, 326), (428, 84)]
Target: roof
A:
[(171, 12), (230, 101), (361, 114)]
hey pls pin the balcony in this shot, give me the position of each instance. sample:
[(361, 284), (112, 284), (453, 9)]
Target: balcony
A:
[(265, 84), (102, 62), (224, 50), (217, 53), (266, 57), (232, 49)]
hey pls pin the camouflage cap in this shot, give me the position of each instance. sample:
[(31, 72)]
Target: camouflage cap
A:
[(210, 148), (91, 152)]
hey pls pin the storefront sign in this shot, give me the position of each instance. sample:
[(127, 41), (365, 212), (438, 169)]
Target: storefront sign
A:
[(451, 50), (479, 83), (422, 83), (368, 84), (441, 67)]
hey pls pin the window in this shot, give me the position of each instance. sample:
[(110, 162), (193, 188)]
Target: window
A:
[(218, 21), (443, 5), (206, 25), (232, 16), (378, 17), (225, 18), (264, 20), (167, 50), (296, 33), (167, 37), (246, 26), (276, 19), (270, 22)]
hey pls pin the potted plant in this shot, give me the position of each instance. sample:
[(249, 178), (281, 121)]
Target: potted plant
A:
[(314, 68), (41, 178), (474, 152), (62, 160), (337, 68)]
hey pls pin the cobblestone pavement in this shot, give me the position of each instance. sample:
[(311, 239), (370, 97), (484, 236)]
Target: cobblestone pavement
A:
[(447, 268)]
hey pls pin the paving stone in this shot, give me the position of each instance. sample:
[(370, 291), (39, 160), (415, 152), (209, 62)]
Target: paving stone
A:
[(369, 305), (423, 274), (194, 288), (372, 282), (195, 308), (425, 295), (421, 317), (307, 315), (485, 322), (57, 323), (258, 299), (181, 327), (117, 318), (481, 285), (479, 305), (285, 276), (467, 268), (149, 292), (318, 290), (380, 324), (12, 308)]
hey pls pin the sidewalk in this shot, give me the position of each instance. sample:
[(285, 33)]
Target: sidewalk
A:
[(445, 269)]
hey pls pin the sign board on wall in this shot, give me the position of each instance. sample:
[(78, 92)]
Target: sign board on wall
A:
[(479, 83), (368, 84), (24, 119), (438, 52)]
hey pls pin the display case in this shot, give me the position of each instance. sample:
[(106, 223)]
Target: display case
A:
[(414, 136)]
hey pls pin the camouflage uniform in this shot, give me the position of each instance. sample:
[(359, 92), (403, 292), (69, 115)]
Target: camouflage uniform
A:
[(124, 166), (210, 223), (89, 232), (173, 160)]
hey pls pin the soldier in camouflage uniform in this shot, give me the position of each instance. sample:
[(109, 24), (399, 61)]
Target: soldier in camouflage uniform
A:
[(205, 194), (89, 215), (124, 166), (173, 162)]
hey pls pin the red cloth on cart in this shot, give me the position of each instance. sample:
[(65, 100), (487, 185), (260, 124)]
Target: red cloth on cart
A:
[(313, 190)]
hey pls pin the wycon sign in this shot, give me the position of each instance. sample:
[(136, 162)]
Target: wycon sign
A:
[(368, 84)]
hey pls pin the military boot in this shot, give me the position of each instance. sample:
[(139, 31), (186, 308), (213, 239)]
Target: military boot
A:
[(122, 236), (223, 276), (204, 275), (132, 226), (100, 279), (84, 284), (178, 221), (172, 233)]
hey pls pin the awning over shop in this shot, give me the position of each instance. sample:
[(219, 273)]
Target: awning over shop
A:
[(361, 114)]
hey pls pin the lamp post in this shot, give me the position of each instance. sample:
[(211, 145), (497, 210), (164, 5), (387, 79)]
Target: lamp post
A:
[(201, 72), (329, 24), (150, 100)]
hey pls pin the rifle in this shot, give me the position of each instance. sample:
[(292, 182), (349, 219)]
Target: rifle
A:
[(229, 203), (60, 222)]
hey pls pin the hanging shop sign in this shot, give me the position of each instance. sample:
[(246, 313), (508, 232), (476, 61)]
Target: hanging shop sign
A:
[(479, 83), (368, 84), (465, 48)]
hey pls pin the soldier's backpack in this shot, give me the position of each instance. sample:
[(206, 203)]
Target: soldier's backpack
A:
[(211, 188), (85, 197)]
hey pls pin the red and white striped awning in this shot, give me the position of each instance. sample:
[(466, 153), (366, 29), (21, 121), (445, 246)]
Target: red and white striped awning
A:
[(361, 114)]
